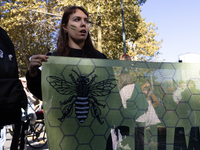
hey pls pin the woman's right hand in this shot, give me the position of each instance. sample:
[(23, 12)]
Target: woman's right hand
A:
[(35, 63)]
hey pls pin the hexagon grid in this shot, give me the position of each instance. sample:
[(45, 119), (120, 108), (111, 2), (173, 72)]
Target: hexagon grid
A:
[(93, 104)]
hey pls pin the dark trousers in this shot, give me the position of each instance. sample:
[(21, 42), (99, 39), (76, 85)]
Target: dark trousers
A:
[(19, 131)]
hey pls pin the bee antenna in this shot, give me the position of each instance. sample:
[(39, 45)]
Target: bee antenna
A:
[(90, 73), (76, 72)]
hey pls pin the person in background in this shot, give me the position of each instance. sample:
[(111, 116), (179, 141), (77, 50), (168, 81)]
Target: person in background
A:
[(73, 41), (189, 95), (151, 117), (12, 95), (177, 94), (32, 100), (148, 91)]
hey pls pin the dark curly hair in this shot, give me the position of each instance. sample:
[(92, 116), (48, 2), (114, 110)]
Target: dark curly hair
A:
[(63, 48)]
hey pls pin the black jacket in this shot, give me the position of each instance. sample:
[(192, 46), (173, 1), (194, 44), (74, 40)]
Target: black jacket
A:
[(34, 83), (8, 68), (12, 95)]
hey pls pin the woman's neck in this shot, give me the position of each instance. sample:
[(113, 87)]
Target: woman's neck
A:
[(75, 45)]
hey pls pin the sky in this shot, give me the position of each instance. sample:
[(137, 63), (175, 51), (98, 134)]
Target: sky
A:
[(178, 23)]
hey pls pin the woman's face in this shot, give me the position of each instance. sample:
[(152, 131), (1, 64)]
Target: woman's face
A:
[(77, 27)]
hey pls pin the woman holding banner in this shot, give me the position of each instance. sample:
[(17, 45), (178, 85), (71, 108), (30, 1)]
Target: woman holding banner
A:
[(73, 41)]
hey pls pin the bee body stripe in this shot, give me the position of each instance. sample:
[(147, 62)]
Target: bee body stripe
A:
[(81, 117), (81, 103), (82, 98), (82, 112), (82, 108)]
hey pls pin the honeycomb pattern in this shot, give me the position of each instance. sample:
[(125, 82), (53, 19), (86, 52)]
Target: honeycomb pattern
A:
[(177, 105)]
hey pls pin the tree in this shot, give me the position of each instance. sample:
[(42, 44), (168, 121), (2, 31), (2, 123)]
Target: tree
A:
[(33, 24), (31, 31), (138, 32)]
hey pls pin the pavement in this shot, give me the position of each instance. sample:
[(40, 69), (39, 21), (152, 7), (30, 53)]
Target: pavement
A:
[(8, 141)]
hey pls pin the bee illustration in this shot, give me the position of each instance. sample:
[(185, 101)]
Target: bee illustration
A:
[(83, 93)]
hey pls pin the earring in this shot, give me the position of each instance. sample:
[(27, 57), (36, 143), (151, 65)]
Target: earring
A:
[(65, 31)]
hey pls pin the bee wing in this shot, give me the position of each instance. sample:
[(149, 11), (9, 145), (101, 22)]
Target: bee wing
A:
[(61, 86), (102, 88)]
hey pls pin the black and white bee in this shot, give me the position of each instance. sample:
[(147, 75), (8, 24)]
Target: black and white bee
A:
[(83, 91)]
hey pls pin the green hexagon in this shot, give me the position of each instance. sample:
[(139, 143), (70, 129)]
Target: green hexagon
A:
[(146, 146), (141, 64), (102, 73), (194, 102), (68, 70), (186, 124), (168, 86), (86, 62), (84, 135), (148, 136), (112, 70), (54, 140), (104, 111), (167, 70), (85, 70), (154, 64), (183, 110), (98, 143), (69, 126), (130, 112), (152, 130), (107, 134), (170, 136), (53, 116), (169, 102), (192, 86), (85, 147), (126, 78), (116, 88), (141, 71), (52, 101), (128, 142), (114, 118), (114, 62), (170, 146), (114, 101), (194, 118), (141, 80), (117, 70), (185, 95), (69, 142), (160, 110), (170, 118), (140, 96), (131, 124), (99, 129), (158, 77)]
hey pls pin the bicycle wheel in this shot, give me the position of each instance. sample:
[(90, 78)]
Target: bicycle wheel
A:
[(36, 136)]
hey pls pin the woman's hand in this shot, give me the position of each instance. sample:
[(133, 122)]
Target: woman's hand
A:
[(35, 63)]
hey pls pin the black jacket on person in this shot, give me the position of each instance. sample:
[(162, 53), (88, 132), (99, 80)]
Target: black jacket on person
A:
[(12, 95), (34, 83)]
